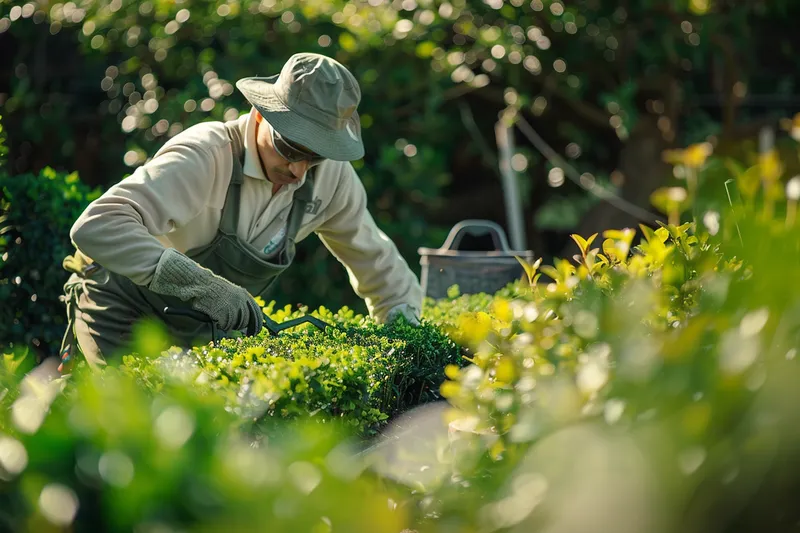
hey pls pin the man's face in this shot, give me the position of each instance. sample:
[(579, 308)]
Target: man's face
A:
[(278, 170)]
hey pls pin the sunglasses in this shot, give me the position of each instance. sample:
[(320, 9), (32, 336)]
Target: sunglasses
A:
[(292, 152)]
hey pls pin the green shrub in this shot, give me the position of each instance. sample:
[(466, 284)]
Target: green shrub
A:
[(3, 147), (362, 375), (36, 214), (423, 351), (659, 377)]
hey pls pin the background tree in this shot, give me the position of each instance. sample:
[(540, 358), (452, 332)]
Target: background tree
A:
[(97, 87)]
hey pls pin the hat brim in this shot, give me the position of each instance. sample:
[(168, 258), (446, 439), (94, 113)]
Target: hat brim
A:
[(339, 145)]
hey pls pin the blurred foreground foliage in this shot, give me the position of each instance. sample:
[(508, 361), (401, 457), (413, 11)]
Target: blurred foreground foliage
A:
[(640, 386)]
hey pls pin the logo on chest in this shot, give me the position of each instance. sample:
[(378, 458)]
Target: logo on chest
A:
[(275, 242), (312, 208)]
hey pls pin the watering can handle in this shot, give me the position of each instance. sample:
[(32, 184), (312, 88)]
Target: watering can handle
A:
[(476, 227)]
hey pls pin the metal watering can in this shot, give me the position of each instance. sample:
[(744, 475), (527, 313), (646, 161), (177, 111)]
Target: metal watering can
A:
[(474, 271)]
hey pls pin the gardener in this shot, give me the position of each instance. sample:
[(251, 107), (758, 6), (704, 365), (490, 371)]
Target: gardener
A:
[(213, 218)]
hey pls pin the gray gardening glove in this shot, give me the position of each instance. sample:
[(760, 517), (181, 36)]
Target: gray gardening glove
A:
[(230, 306), (411, 314)]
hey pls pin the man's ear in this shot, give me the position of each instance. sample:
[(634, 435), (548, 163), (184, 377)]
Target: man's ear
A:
[(259, 118)]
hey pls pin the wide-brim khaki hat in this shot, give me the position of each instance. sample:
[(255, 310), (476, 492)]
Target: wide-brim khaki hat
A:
[(313, 102)]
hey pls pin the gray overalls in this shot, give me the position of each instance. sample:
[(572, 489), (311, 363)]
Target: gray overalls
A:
[(102, 306)]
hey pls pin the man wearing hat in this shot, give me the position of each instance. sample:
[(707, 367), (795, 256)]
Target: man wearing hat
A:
[(213, 218)]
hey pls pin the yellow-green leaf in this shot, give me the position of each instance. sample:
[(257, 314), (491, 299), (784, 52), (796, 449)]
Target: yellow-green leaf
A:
[(505, 370), (583, 244), (348, 42), (449, 389), (451, 371), (749, 181), (670, 200), (625, 235), (699, 7), (648, 232), (551, 272), (530, 268), (770, 166), (425, 49)]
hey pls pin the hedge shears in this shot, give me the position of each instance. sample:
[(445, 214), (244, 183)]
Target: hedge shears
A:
[(273, 327)]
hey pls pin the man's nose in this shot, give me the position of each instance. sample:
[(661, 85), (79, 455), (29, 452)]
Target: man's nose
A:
[(298, 169)]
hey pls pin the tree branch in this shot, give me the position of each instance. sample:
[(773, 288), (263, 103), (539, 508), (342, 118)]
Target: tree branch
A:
[(731, 76), (469, 122), (594, 114), (450, 94)]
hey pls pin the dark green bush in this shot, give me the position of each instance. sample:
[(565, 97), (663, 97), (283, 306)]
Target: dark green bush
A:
[(36, 214)]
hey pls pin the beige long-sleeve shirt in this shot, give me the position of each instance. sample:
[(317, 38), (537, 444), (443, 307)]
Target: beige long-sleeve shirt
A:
[(176, 199)]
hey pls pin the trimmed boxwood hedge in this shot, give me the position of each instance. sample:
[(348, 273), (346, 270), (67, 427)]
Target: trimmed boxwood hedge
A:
[(362, 374)]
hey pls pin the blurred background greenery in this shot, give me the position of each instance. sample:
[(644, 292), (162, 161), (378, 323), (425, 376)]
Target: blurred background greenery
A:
[(95, 87)]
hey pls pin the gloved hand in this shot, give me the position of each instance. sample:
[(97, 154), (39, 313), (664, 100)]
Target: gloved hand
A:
[(410, 313), (230, 306)]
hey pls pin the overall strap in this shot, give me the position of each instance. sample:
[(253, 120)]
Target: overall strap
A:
[(229, 219)]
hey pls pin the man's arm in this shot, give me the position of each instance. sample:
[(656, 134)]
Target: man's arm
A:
[(117, 230), (377, 271)]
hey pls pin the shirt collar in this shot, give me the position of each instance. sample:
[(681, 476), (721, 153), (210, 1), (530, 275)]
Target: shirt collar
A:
[(252, 161)]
